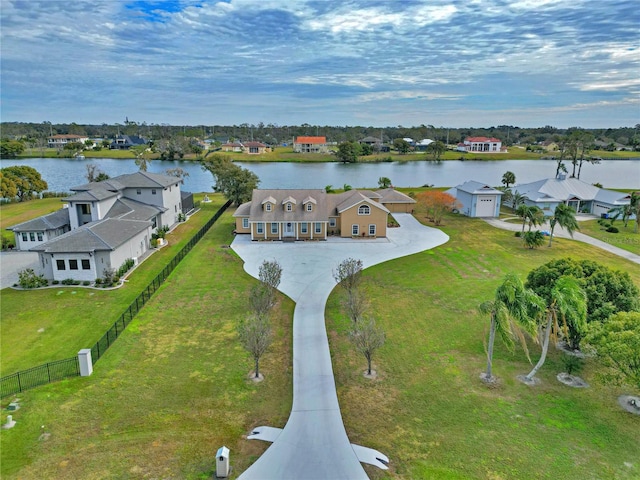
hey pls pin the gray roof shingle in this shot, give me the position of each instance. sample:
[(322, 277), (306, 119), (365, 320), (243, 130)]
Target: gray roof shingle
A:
[(103, 235), (53, 221)]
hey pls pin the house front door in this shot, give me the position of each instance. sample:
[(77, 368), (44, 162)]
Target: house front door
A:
[(288, 229)]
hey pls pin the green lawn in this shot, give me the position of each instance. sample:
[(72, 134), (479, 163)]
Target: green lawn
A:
[(169, 392), (626, 238), (61, 320), (173, 388), (428, 410)]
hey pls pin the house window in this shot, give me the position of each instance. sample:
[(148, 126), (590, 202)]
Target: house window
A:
[(355, 230), (85, 264), (60, 265), (318, 227), (274, 227), (267, 207), (304, 227), (85, 209), (309, 207), (332, 222), (245, 223), (73, 264), (364, 210), (40, 236), (139, 191), (154, 222), (24, 236), (289, 207), (260, 227), (372, 230), (32, 236), (153, 191)]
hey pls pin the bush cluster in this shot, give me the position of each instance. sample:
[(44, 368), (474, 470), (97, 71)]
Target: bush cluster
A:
[(28, 279), (125, 267)]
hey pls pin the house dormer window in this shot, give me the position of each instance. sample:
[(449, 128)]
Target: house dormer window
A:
[(289, 207), (267, 207), (364, 210), (309, 207)]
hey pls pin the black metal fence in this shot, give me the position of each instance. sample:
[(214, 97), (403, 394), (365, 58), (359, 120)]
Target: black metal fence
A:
[(52, 371)]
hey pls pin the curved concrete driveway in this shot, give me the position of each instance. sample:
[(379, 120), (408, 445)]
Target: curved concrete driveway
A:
[(314, 443), (13, 262)]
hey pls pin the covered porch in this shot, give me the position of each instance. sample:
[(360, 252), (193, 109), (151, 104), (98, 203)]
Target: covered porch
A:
[(288, 230)]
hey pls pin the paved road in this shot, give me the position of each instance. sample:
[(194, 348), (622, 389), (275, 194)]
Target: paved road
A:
[(560, 232), (314, 443)]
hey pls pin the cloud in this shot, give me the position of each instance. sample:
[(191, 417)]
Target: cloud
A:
[(242, 61)]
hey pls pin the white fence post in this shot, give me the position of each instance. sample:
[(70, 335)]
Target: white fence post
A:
[(84, 359)]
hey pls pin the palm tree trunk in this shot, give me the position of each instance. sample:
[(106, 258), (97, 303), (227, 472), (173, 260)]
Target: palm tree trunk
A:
[(492, 337), (551, 234), (545, 348)]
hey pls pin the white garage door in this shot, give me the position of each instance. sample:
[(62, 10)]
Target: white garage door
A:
[(486, 206)]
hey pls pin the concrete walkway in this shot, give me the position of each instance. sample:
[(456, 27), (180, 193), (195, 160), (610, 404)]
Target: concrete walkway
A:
[(314, 443), (562, 233)]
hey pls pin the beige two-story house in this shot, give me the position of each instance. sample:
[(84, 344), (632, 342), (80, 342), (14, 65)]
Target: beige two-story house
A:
[(307, 214)]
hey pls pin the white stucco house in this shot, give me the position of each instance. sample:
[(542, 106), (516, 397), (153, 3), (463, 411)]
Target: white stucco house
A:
[(480, 145), (107, 223), (477, 199), (548, 193)]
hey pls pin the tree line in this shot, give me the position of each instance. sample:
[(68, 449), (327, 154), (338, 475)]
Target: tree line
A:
[(35, 134)]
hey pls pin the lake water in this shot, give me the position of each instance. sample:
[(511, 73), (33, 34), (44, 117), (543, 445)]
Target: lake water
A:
[(61, 174)]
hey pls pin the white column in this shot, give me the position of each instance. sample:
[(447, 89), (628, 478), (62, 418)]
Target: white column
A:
[(84, 359), (297, 229), (280, 227)]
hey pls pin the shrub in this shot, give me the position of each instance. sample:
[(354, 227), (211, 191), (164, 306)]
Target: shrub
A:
[(612, 229), (109, 273), (125, 267), (86, 283), (68, 281), (518, 234), (98, 281), (55, 282), (572, 364), (28, 279)]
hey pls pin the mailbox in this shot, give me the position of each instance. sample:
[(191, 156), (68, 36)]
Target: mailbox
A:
[(222, 462)]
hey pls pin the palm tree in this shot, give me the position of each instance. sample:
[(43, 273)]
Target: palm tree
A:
[(512, 310), (624, 211), (635, 208), (517, 199), (509, 178), (565, 216), (567, 304), (530, 213)]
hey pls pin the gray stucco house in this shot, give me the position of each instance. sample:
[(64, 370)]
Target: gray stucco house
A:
[(104, 224)]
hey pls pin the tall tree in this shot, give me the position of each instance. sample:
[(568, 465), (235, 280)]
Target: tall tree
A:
[(401, 145), (517, 199), (530, 214), (565, 216), (435, 150), (348, 152), (617, 343), (512, 311), (94, 174), (349, 275), (367, 337), (567, 305), (509, 178), (234, 182), (27, 181)]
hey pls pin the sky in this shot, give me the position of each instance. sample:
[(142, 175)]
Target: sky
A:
[(470, 63)]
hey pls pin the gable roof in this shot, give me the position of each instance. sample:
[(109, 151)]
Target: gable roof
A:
[(477, 188), (146, 180), (55, 220), (345, 201), (102, 235), (314, 140), (94, 193), (129, 209), (391, 195), (279, 213)]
